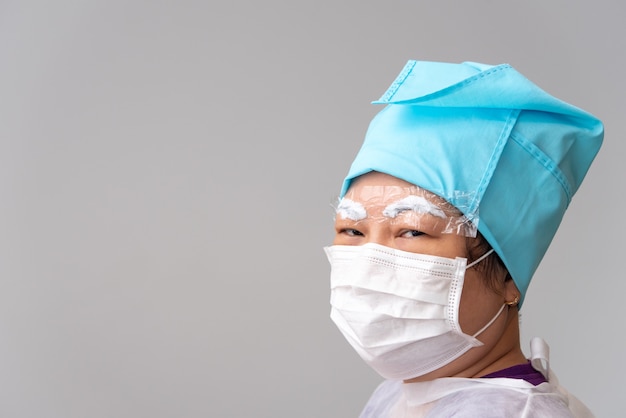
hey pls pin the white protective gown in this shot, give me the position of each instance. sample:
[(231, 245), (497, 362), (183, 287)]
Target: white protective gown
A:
[(484, 398)]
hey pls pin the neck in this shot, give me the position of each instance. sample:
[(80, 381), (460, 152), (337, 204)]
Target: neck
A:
[(505, 353), (480, 361)]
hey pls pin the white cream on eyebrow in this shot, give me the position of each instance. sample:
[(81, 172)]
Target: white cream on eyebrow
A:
[(415, 203), (349, 209)]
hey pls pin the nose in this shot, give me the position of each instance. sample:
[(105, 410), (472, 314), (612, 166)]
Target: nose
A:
[(379, 233)]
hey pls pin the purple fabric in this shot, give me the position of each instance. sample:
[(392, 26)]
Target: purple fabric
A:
[(521, 371)]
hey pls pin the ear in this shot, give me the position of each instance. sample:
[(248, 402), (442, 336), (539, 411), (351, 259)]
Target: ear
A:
[(511, 293)]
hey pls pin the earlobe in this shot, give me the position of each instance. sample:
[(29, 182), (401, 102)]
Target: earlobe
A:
[(511, 293)]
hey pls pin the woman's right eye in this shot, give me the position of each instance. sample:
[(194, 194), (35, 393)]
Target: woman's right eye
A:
[(351, 232)]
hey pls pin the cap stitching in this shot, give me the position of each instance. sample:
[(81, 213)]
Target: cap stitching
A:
[(495, 157), (447, 90), (545, 161), (391, 91), (466, 82)]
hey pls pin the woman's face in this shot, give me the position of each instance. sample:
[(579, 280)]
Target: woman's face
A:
[(386, 210), (376, 213)]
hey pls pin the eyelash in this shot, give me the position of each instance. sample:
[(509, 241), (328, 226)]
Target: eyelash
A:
[(356, 233), (414, 233), (351, 232)]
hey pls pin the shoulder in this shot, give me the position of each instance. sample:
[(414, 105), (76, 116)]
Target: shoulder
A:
[(382, 400), (494, 399), (496, 402)]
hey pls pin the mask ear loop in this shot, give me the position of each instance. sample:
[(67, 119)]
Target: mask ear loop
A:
[(479, 259), (490, 322), (509, 304), (473, 263)]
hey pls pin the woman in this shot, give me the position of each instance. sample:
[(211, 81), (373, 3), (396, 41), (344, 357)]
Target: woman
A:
[(446, 212)]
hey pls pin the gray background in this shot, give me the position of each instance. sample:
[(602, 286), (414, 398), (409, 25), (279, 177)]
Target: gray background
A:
[(166, 174)]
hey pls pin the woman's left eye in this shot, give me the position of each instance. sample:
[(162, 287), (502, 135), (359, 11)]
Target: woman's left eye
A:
[(411, 233)]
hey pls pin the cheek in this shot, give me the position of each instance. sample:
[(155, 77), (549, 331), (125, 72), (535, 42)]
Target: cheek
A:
[(344, 239), (448, 245), (479, 303)]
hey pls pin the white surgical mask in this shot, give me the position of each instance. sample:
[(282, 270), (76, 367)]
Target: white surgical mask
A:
[(399, 310)]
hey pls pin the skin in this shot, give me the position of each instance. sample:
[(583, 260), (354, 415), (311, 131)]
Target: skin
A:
[(479, 303)]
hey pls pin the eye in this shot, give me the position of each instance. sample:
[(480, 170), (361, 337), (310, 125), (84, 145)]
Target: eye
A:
[(412, 233), (351, 232)]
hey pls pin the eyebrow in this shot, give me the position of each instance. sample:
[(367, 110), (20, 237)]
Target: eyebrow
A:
[(349, 209), (415, 203)]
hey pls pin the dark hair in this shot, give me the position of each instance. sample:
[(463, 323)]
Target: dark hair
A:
[(492, 267)]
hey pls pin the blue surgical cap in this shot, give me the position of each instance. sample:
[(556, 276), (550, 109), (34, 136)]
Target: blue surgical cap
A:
[(506, 153)]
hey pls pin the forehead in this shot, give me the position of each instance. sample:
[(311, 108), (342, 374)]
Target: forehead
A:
[(383, 198), (379, 189)]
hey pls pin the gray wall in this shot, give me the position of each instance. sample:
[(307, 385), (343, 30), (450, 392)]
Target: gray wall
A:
[(166, 174)]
